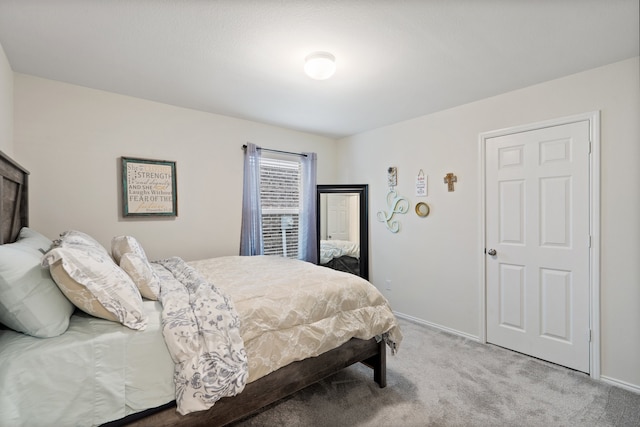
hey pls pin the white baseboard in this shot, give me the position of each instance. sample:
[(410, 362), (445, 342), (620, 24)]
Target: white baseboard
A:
[(436, 326), (622, 384)]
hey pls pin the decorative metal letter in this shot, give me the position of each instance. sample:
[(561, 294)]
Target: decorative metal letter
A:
[(397, 205), (449, 180)]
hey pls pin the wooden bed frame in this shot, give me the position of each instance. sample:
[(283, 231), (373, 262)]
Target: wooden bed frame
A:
[(257, 394), (14, 211), (271, 388)]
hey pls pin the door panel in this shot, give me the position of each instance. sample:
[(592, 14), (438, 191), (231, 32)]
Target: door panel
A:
[(511, 212), (555, 212), (337, 217), (537, 220), (555, 297), (512, 298)]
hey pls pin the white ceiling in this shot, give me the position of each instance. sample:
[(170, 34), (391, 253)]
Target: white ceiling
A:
[(396, 60)]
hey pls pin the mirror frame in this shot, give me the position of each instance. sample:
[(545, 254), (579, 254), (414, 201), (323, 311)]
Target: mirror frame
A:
[(362, 190)]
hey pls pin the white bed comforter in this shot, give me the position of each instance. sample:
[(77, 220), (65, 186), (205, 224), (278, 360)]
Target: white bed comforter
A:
[(292, 310), (330, 249), (201, 330), (287, 310)]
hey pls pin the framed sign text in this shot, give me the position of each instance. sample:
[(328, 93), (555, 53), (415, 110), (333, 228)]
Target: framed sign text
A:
[(149, 187)]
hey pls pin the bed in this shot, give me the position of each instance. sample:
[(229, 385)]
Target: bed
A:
[(62, 380), (341, 255)]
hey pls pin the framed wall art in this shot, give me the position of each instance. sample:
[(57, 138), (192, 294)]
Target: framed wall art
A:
[(149, 187)]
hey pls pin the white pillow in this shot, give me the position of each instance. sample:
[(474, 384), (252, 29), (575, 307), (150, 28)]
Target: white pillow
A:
[(142, 274), (136, 265), (30, 301), (34, 240), (96, 285)]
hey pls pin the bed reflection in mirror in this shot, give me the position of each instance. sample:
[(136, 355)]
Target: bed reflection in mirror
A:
[(342, 228)]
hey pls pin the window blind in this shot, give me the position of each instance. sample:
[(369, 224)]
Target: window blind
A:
[(280, 185)]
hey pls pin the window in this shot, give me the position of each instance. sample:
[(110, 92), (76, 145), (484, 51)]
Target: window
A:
[(280, 188), (279, 205)]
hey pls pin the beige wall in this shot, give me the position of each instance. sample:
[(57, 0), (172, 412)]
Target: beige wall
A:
[(6, 105), (71, 138), (433, 262)]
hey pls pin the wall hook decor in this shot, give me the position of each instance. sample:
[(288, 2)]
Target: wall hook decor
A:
[(392, 176), (449, 180)]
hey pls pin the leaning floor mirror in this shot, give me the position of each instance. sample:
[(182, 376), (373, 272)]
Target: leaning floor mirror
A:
[(343, 228)]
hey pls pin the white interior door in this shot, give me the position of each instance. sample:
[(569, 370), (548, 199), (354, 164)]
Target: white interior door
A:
[(337, 217), (537, 222)]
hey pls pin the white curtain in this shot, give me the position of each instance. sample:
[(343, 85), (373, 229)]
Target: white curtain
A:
[(251, 232), (308, 232)]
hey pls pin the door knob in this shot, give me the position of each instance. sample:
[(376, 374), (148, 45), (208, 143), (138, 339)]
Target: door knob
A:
[(492, 252)]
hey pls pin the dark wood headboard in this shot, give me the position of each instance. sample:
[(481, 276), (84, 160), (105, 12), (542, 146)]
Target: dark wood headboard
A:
[(14, 200)]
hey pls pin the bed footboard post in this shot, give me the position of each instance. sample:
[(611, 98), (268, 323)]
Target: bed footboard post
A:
[(380, 370), (379, 364)]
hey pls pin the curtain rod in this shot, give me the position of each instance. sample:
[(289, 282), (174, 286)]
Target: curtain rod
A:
[(244, 147)]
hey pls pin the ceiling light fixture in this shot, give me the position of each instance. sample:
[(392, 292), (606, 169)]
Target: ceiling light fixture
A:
[(320, 65)]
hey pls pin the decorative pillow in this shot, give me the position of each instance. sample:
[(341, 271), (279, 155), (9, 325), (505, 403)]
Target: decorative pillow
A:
[(30, 301), (142, 274), (78, 239), (121, 245), (136, 265), (96, 285)]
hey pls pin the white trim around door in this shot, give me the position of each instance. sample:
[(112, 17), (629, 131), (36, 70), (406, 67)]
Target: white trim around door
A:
[(594, 225)]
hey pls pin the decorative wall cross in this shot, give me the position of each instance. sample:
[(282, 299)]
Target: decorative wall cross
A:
[(449, 180)]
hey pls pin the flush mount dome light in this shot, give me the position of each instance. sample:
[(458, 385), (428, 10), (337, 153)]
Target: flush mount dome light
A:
[(320, 65)]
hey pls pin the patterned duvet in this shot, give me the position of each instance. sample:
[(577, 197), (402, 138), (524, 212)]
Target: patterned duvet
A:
[(201, 330)]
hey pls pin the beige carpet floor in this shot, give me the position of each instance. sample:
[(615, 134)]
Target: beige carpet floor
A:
[(440, 379)]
